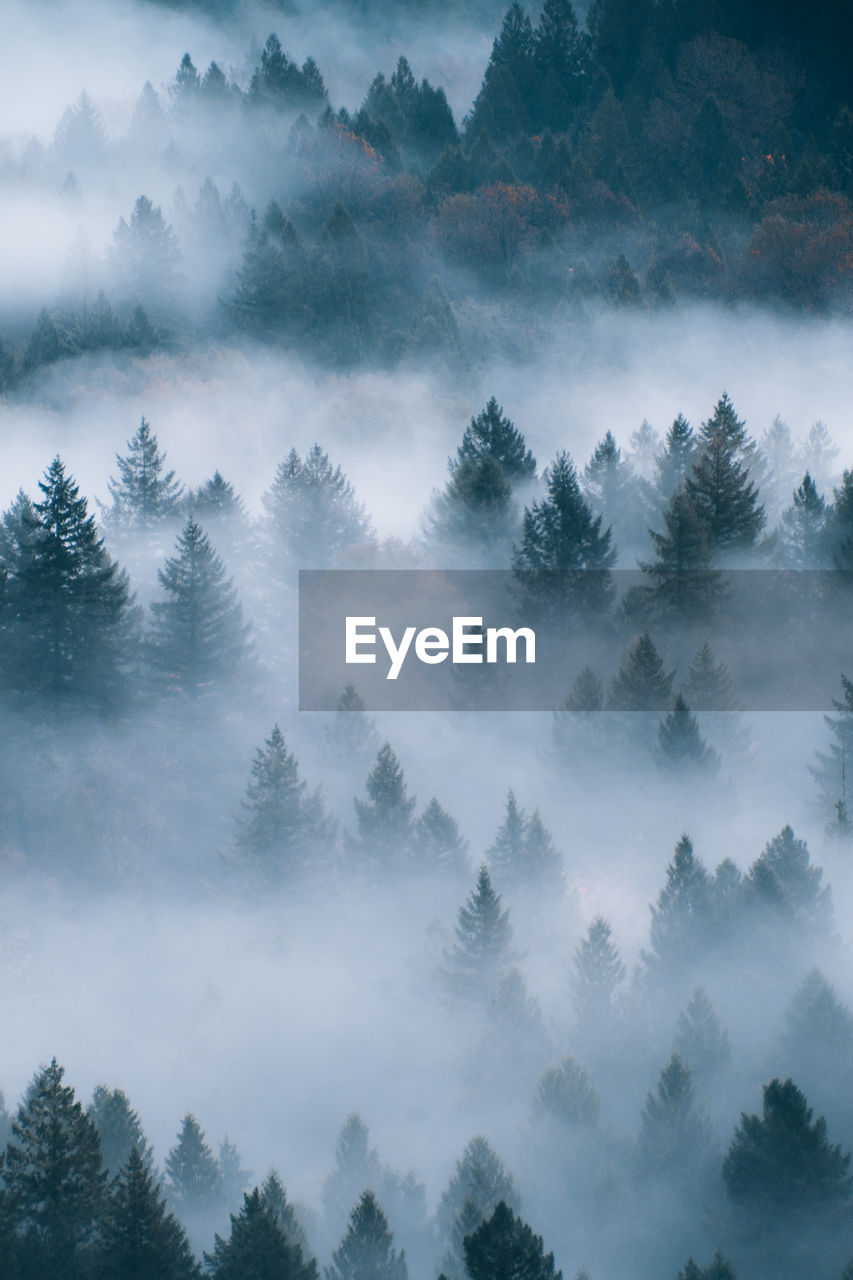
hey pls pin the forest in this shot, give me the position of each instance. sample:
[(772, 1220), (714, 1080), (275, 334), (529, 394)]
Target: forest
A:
[(556, 989)]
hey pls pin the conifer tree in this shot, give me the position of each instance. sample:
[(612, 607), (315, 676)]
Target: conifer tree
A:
[(565, 1096), (598, 973), (724, 497), (640, 684), (719, 1268), (475, 512), (680, 917), (143, 497), (482, 952), (782, 879), (491, 434), (674, 1134), (818, 454), (709, 685), (52, 1176), (366, 1251), (357, 1166), (817, 1044), (700, 1039), (725, 424), (834, 769), (312, 515), (839, 528), (271, 294), (194, 1181), (199, 640), (564, 558), (586, 694), (385, 817), (437, 845), (45, 345), (232, 1176), (613, 489), (257, 1248), (138, 1236), (119, 1130), (352, 736), (479, 1183), (342, 293), (507, 852), (684, 584), (681, 747), (802, 529), (285, 824), (146, 254), (504, 1247), (276, 1201), (674, 464)]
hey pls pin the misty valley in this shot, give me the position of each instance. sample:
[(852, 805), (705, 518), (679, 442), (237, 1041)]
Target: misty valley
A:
[(560, 296)]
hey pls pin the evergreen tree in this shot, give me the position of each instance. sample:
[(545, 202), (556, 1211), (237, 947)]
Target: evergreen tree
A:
[(835, 766), (491, 434), (818, 454), (45, 345), (504, 1247), (139, 1238), (718, 1269), (817, 1044), (777, 449), (194, 1180), (564, 558), (479, 1183), (709, 685), (146, 254), (506, 855), (312, 515), (681, 747), (357, 1166), (119, 1130), (284, 825), (474, 512), (802, 529), (701, 1040), (143, 497), (482, 953), (640, 684), (675, 463), (67, 612), (577, 728), (685, 585), (724, 497), (586, 694), (233, 1177), (366, 1251), (272, 293), (565, 1096), (277, 1203), (725, 424), (840, 524), (352, 737), (613, 489), (783, 880), (598, 972), (385, 818), (257, 1248), (674, 1134), (53, 1180), (342, 292), (680, 917), (437, 846), (199, 640)]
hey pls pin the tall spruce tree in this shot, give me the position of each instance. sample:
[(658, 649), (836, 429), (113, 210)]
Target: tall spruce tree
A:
[(480, 1181), (138, 1236), (565, 1097), (143, 495), (674, 464), (482, 953), (641, 683), (285, 825), (194, 1182), (700, 1040), (491, 434), (438, 848), (833, 771), (681, 915), (783, 881), (709, 685), (119, 1130), (598, 972), (366, 1251), (312, 515), (681, 747), (504, 1247), (352, 736), (385, 817), (802, 530), (724, 497), (683, 583), (257, 1248), (199, 641)]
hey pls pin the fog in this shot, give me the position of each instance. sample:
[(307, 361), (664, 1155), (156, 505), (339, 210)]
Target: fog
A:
[(155, 936)]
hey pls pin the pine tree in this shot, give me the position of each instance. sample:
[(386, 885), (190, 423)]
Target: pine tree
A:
[(564, 559), (701, 1040), (366, 1251), (681, 915), (271, 294), (565, 1096), (681, 747), (342, 292), (143, 497), (284, 824), (357, 1166), (783, 880), (675, 463), (312, 515), (138, 1237), (719, 1269), (277, 1203), (45, 345), (491, 434), (674, 1134), (119, 1130), (385, 818), (233, 1177), (709, 685), (835, 766), (684, 584), (194, 1180), (598, 973), (818, 454), (352, 737), (612, 488), (68, 612), (52, 1176), (640, 684), (802, 529), (474, 514), (479, 1183), (257, 1248), (506, 855), (724, 497), (199, 640), (725, 423), (817, 1044), (437, 846), (504, 1247), (145, 254), (482, 953)]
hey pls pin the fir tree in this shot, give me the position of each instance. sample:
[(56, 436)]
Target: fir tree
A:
[(138, 1237), (675, 463), (640, 684), (482, 952), (709, 685), (817, 1044), (146, 254), (506, 855), (840, 524), (612, 488), (271, 293), (45, 345), (726, 425), (233, 1177), (684, 584), (143, 497), (491, 434), (782, 880), (504, 1247), (357, 1166), (818, 454), (598, 973), (479, 1183), (199, 640), (681, 747), (366, 1251), (565, 1096), (802, 529), (284, 824), (564, 558), (352, 736), (674, 1133), (194, 1180), (719, 1269), (700, 1039), (257, 1248), (586, 694), (835, 766), (437, 846), (385, 818), (312, 515), (724, 497), (53, 1179), (119, 1130), (680, 917), (277, 1203), (474, 512)]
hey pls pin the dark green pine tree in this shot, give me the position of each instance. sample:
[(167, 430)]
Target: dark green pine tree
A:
[(598, 973), (681, 915), (564, 559), (781, 1169), (612, 488), (700, 1039), (366, 1251), (479, 1183), (53, 1180), (839, 525), (474, 515), (782, 880), (233, 1177), (709, 685), (566, 1098), (586, 694), (561, 56), (834, 769), (506, 855), (67, 612), (684, 585), (143, 496), (139, 1238), (724, 497), (312, 515), (681, 747), (641, 683), (45, 345), (675, 463), (276, 1201), (482, 953), (385, 817), (199, 641), (342, 293), (817, 1045), (675, 1136), (491, 434), (119, 1130), (802, 538), (257, 1248), (725, 423), (438, 848), (505, 1248), (719, 1268), (271, 296), (194, 1185), (285, 826)]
